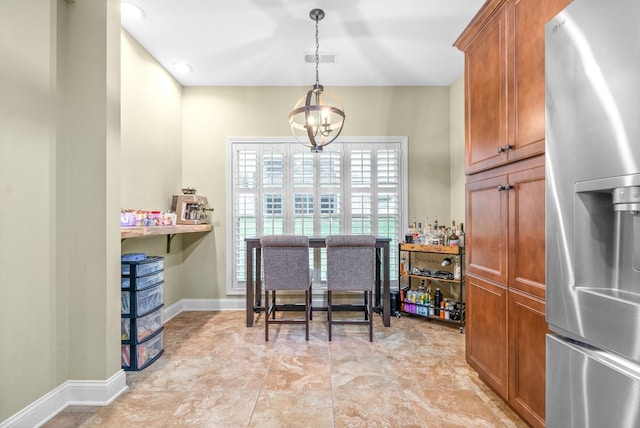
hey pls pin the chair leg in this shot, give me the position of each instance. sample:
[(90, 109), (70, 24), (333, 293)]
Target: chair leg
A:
[(266, 315), (366, 313), (370, 313), (329, 313), (274, 304), (307, 314), (309, 300)]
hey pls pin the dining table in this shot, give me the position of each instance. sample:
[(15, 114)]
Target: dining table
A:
[(382, 286)]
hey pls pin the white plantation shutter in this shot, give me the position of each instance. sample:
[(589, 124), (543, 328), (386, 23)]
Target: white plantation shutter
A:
[(280, 187), (273, 190), (388, 206), (245, 164)]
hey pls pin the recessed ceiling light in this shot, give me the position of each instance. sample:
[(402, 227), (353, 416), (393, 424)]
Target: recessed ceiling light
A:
[(131, 11), (182, 68)]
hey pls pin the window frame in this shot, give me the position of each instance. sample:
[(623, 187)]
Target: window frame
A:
[(291, 145)]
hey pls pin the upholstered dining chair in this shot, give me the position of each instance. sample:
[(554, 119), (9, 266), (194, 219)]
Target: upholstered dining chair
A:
[(351, 268), (286, 267)]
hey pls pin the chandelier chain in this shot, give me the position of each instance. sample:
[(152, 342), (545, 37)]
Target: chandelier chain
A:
[(317, 52)]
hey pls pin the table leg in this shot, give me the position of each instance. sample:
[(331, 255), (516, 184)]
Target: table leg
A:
[(250, 289), (378, 286), (386, 291), (258, 281)]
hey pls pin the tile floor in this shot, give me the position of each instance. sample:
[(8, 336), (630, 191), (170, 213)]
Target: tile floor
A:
[(215, 372)]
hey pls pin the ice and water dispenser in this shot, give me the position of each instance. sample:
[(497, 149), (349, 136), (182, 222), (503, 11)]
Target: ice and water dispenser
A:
[(607, 235)]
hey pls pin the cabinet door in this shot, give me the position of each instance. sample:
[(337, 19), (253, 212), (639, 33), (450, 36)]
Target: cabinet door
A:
[(486, 332), (527, 336), (526, 231), (527, 19), (486, 236), (486, 94)]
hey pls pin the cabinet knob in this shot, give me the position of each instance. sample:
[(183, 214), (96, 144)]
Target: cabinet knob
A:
[(505, 148), (507, 187)]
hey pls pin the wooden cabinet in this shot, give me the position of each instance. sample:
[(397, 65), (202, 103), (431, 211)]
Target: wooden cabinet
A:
[(504, 81), (505, 196), (527, 329), (505, 251), (486, 327), (486, 89), (505, 225), (486, 236), (526, 227)]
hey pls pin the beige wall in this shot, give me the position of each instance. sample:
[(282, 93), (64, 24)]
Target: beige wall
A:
[(27, 260), (457, 175), (60, 184), (151, 155)]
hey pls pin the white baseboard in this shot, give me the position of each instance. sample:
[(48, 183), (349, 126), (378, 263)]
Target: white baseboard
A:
[(71, 392), (228, 304)]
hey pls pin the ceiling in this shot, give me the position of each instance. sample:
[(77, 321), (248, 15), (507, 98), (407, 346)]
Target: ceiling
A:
[(263, 42)]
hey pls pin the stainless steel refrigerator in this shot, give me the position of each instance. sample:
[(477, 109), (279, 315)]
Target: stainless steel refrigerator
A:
[(592, 74)]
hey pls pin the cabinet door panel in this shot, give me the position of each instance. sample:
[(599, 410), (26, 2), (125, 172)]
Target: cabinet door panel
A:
[(526, 231), (486, 332), (527, 19), (486, 110), (527, 341), (486, 235)]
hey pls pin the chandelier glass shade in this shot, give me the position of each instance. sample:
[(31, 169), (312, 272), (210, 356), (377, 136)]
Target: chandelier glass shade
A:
[(318, 117)]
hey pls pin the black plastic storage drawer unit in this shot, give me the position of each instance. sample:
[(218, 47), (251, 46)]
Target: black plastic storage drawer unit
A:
[(142, 301)]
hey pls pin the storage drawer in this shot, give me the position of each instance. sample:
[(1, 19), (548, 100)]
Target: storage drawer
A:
[(125, 302), (126, 356), (137, 357), (143, 267), (144, 326), (143, 301), (138, 283), (149, 351), (149, 299)]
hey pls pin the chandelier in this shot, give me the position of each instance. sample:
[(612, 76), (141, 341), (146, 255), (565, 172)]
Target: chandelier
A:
[(318, 117)]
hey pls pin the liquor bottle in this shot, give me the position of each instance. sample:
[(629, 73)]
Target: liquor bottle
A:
[(461, 235), (454, 239), (437, 301), (408, 237), (457, 273)]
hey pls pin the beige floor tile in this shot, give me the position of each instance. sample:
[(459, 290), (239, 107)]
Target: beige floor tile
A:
[(293, 408), (215, 372)]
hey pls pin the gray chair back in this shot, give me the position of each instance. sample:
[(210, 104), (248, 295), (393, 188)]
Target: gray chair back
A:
[(286, 262), (350, 262)]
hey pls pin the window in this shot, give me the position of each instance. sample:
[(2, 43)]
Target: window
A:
[(357, 186)]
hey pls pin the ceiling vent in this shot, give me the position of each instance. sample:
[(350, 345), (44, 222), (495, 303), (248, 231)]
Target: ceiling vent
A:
[(328, 58)]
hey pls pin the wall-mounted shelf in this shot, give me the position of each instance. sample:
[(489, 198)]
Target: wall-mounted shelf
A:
[(169, 231)]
